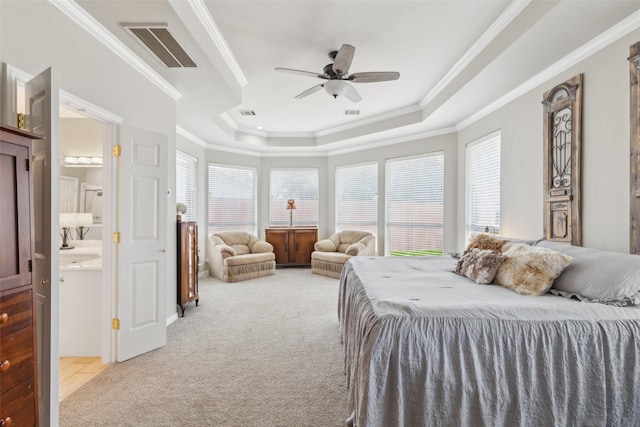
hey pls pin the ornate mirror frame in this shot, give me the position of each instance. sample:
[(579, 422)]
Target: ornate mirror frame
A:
[(634, 201), (562, 162)]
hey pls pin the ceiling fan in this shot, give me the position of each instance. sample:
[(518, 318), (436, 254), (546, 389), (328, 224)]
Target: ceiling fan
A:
[(336, 74)]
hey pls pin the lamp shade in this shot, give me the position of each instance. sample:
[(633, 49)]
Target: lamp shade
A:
[(84, 219), (291, 204), (67, 219), (73, 219)]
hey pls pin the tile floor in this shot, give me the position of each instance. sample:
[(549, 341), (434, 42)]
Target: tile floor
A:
[(75, 371)]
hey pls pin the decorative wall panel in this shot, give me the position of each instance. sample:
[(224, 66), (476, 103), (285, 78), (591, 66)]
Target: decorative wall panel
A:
[(634, 201), (562, 158)]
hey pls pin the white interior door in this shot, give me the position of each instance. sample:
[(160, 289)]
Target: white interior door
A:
[(42, 118), (142, 276), (68, 194)]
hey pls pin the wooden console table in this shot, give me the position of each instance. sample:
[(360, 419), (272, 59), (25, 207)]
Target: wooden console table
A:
[(292, 246)]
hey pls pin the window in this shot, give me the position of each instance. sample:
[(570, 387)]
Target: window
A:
[(415, 205), (300, 185), (187, 183), (232, 199), (357, 198), (483, 185)]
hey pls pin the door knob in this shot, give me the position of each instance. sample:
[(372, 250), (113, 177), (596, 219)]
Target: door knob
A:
[(163, 250), (44, 282)]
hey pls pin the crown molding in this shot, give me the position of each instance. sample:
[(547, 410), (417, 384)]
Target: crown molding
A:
[(89, 109), (510, 13), (191, 137), (265, 136), (370, 120), (394, 141), (97, 30), (624, 27), (213, 31)]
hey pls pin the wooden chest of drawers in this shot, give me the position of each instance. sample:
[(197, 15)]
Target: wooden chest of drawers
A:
[(18, 378), (17, 358)]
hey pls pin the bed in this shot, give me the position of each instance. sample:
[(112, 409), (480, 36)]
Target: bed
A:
[(426, 347)]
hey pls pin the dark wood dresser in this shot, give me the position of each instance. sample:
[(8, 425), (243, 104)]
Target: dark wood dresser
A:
[(18, 375), (292, 246), (187, 263)]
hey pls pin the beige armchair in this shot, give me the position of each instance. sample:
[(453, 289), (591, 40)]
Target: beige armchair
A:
[(331, 254), (234, 256)]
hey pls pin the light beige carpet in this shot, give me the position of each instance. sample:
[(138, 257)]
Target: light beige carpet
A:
[(264, 352)]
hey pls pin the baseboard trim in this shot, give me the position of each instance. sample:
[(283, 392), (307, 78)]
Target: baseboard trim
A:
[(172, 318)]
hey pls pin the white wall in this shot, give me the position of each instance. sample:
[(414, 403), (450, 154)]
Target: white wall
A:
[(605, 163), (35, 35)]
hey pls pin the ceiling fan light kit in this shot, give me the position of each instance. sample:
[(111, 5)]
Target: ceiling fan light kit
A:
[(337, 76), (335, 87)]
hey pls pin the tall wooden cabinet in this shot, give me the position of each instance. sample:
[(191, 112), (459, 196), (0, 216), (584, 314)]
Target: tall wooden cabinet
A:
[(292, 246), (187, 264), (18, 374)]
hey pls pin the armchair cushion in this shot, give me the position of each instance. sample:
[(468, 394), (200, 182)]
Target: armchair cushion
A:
[(225, 250), (355, 248), (325, 245), (261, 247)]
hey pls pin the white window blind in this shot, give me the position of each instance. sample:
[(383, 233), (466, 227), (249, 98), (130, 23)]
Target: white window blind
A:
[(483, 185), (357, 198), (187, 183), (415, 205), (232, 199), (300, 185)]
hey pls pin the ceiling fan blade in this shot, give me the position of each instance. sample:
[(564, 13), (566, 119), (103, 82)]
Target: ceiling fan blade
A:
[(310, 91), (343, 59), (351, 93), (301, 73), (376, 76)]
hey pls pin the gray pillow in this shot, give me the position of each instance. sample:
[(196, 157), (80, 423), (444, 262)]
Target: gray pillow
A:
[(598, 276)]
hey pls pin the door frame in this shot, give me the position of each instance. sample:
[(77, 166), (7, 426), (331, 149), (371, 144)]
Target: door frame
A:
[(110, 138)]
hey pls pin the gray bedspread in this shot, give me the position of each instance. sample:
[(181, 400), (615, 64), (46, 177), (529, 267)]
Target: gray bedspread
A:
[(426, 347)]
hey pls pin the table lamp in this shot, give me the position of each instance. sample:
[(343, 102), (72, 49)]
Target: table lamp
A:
[(291, 205)]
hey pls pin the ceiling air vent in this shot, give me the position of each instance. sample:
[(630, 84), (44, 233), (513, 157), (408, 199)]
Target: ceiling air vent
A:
[(351, 112), (162, 42), (247, 112)]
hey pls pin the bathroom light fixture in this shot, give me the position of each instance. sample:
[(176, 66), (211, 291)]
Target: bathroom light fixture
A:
[(82, 161)]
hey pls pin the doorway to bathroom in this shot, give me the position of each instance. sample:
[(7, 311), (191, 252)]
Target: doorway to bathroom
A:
[(82, 349)]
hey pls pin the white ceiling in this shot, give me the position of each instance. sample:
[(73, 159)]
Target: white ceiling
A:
[(454, 58)]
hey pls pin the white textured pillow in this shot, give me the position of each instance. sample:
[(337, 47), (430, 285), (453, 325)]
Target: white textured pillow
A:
[(530, 270), (611, 278)]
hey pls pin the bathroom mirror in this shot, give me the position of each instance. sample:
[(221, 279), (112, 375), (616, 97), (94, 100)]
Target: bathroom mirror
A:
[(91, 201)]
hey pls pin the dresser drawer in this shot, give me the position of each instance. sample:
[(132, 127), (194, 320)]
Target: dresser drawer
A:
[(15, 312), (19, 404), (16, 358)]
